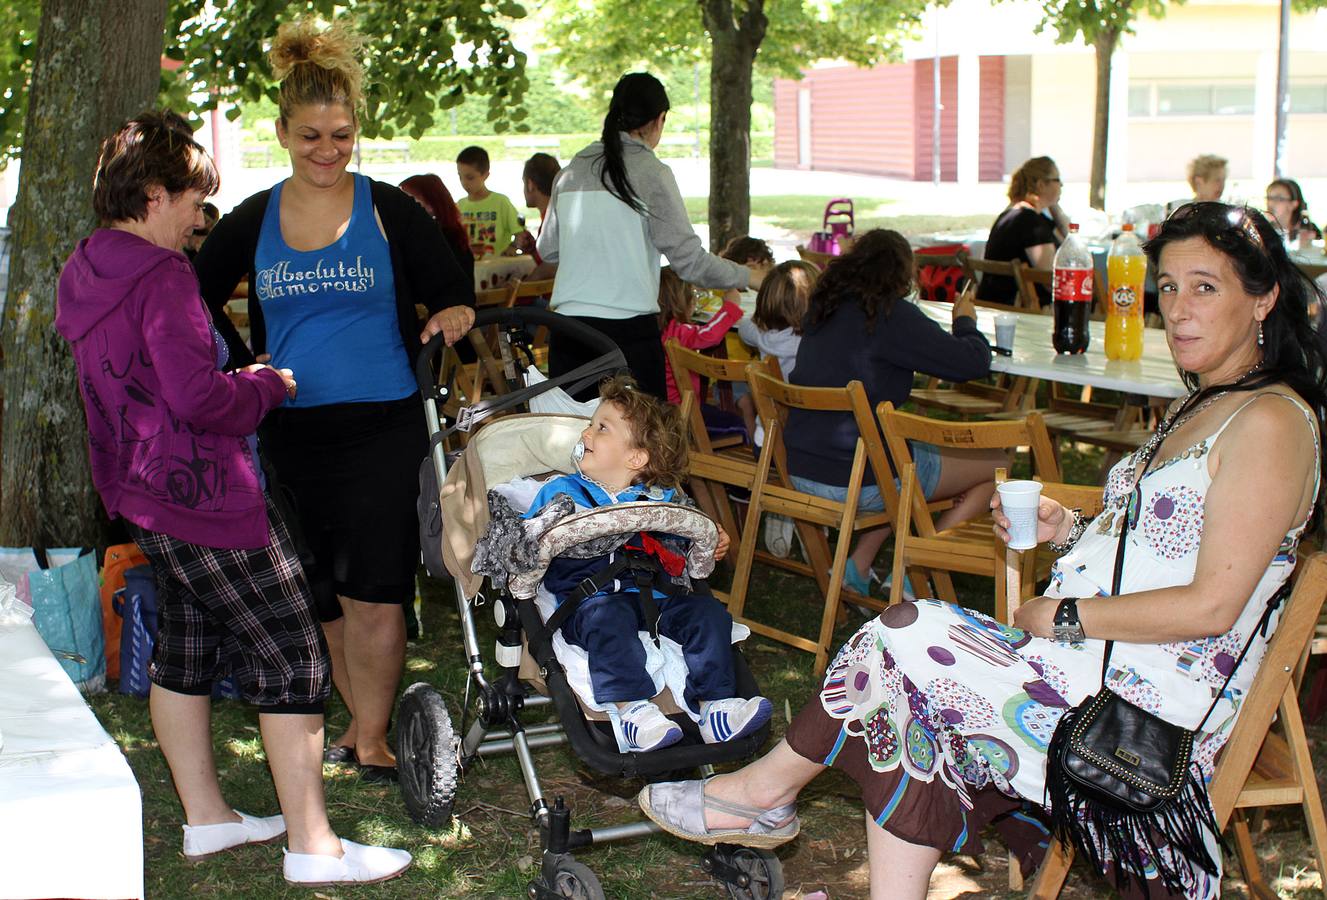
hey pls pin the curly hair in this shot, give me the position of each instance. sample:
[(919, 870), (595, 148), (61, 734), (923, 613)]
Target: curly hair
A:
[(747, 249), (656, 427), (878, 270), (1029, 175), (317, 66)]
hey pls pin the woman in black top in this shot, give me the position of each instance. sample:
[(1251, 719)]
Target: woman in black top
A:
[(860, 326), (1023, 231)]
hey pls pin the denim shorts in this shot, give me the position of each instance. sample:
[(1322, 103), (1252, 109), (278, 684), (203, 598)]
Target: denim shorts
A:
[(926, 457)]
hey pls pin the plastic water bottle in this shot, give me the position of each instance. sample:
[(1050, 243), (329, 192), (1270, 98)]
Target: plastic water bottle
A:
[(1072, 292), (1127, 268)]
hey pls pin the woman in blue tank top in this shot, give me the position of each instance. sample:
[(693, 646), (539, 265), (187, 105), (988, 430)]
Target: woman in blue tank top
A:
[(336, 263)]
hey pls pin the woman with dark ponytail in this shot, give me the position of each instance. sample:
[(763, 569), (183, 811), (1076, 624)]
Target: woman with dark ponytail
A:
[(615, 209)]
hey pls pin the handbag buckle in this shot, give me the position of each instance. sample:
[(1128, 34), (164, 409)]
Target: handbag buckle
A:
[(1132, 759)]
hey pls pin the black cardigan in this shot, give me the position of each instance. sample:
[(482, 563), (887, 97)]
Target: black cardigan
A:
[(884, 359), (423, 266)]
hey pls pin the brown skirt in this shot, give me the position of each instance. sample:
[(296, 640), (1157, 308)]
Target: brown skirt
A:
[(934, 814)]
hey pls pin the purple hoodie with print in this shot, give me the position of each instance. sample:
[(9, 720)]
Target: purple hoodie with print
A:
[(167, 432)]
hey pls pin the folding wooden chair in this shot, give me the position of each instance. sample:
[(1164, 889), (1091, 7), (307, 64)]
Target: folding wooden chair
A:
[(967, 547), (714, 467), (1030, 278), (467, 382), (817, 259), (978, 267), (1266, 762), (772, 492)]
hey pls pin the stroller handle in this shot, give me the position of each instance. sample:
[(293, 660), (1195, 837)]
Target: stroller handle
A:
[(516, 316)]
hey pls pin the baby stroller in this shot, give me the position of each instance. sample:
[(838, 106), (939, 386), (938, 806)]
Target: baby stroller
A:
[(454, 514)]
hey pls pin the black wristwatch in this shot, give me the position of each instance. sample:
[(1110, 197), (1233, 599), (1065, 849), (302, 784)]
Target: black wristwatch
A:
[(1066, 625)]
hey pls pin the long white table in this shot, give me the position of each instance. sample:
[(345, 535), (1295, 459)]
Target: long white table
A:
[(71, 813), (1154, 375)]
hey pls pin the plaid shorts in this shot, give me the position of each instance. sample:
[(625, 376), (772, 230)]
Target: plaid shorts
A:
[(248, 611)]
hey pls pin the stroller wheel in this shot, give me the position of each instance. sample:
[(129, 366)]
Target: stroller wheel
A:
[(747, 873), (426, 750), (570, 879)]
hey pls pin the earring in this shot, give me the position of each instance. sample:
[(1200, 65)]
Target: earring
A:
[(1260, 337)]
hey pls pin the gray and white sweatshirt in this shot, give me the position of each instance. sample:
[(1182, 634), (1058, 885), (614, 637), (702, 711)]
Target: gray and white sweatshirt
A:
[(607, 253)]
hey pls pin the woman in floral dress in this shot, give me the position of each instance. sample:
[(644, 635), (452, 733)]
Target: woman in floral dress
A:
[(943, 715)]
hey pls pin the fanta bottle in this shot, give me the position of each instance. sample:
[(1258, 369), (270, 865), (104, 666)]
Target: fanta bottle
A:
[(1126, 269)]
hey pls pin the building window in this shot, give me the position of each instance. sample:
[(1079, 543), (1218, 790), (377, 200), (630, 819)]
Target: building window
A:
[(1308, 98), (1148, 100)]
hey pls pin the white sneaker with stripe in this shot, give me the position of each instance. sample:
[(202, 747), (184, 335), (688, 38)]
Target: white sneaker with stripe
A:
[(733, 718), (646, 727)]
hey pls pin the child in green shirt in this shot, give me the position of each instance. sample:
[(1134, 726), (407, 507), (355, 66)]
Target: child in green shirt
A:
[(489, 217)]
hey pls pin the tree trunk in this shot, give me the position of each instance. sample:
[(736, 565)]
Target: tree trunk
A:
[(1104, 44), (733, 55), (97, 63)]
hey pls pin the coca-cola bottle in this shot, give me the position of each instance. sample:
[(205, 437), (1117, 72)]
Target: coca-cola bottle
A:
[(1072, 291)]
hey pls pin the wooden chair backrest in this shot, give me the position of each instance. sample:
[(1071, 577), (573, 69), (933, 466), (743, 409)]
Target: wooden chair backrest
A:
[(819, 260), (774, 399), (685, 363), (1311, 271), (1001, 434), (525, 290)]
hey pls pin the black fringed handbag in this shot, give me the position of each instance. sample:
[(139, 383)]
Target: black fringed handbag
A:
[(1121, 782)]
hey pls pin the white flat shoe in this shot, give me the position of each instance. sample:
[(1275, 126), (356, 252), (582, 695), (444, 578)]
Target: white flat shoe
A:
[(360, 864), (202, 841)]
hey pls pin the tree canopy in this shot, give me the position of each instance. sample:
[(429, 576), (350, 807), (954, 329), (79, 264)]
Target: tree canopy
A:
[(599, 40), (422, 57)]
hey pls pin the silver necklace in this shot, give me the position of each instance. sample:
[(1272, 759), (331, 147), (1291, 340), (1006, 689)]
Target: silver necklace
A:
[(1183, 415)]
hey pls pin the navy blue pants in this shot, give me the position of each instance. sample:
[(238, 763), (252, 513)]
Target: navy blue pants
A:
[(605, 628)]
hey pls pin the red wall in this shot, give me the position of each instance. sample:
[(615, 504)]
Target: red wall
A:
[(785, 123), (990, 163), (924, 106), (878, 121)]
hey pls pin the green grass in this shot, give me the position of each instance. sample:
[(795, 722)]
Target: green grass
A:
[(490, 849), (803, 214)]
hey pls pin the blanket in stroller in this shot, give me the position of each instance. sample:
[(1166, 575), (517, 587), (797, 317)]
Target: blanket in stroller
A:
[(519, 550)]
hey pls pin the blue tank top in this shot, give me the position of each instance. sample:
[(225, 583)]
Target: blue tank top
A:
[(331, 313)]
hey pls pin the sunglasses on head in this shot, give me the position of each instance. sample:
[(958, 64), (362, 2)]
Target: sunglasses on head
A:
[(1237, 218)]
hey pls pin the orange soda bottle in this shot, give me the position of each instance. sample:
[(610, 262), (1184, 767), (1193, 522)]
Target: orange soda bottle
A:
[(1126, 270)]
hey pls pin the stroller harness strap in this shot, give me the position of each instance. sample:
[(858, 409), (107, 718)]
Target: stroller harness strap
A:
[(649, 563)]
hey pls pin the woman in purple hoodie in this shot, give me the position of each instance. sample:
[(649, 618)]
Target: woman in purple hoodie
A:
[(172, 450)]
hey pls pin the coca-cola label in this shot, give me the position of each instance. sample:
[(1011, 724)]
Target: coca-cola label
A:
[(1124, 296), (1074, 285)]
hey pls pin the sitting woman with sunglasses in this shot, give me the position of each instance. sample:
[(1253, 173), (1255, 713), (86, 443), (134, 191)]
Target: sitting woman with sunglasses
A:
[(944, 716), (1028, 231)]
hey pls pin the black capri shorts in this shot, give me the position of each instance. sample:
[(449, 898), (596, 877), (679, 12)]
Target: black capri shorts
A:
[(246, 611), (638, 338), (351, 473)]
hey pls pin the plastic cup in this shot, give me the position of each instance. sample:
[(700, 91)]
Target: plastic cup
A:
[(1005, 323), (1020, 500)]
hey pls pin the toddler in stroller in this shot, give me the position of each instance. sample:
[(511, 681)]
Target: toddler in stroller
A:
[(474, 530), (634, 450)]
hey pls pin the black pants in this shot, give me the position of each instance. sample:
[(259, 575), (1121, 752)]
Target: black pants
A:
[(637, 337)]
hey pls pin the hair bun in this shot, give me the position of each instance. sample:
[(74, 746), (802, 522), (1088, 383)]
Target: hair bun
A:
[(303, 47)]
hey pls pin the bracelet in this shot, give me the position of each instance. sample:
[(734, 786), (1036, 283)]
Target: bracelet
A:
[(1076, 531)]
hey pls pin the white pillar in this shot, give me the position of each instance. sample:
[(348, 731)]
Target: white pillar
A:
[(969, 118), (1117, 137), (1264, 122)]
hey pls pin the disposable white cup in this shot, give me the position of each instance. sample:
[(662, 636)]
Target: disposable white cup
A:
[(1020, 500), (1005, 323)]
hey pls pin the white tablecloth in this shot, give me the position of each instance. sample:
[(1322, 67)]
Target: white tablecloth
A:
[(498, 271), (71, 814), (1154, 375)]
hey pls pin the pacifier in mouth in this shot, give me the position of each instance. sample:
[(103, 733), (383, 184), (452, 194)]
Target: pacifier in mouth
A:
[(578, 454)]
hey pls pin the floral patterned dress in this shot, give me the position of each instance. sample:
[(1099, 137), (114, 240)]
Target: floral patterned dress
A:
[(943, 715)]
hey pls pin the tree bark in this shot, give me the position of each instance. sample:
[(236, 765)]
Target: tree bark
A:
[(97, 63), (1104, 44), (733, 48)]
